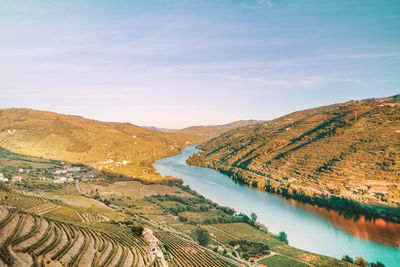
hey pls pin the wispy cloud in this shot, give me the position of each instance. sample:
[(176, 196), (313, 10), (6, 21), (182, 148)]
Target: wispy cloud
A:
[(257, 4), (370, 55)]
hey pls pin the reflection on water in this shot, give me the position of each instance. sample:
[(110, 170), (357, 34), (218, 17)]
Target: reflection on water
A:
[(377, 230)]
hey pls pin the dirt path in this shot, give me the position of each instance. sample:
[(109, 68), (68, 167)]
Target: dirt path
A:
[(77, 187)]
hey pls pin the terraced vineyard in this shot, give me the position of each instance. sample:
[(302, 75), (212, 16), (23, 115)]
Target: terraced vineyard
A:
[(348, 150), (49, 208), (26, 238), (88, 216), (42, 224), (186, 253)]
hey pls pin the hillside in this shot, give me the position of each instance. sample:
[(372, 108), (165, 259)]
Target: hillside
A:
[(115, 147), (206, 132), (349, 150)]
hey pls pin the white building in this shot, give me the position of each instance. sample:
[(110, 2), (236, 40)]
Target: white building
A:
[(60, 171), (60, 180), (74, 169), (1, 175), (17, 179)]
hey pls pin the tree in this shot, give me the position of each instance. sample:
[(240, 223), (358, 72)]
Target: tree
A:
[(137, 230), (347, 258), (253, 217), (203, 236), (283, 237), (360, 262)]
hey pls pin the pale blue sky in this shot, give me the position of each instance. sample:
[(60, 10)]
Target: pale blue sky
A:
[(190, 62)]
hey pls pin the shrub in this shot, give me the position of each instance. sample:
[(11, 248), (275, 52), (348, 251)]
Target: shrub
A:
[(347, 258), (137, 230), (360, 262)]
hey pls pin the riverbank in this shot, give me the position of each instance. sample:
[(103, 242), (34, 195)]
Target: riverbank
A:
[(347, 207)]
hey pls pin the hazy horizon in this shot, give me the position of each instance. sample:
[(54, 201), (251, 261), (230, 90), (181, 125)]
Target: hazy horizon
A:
[(173, 64)]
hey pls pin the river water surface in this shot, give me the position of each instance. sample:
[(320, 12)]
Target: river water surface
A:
[(308, 227)]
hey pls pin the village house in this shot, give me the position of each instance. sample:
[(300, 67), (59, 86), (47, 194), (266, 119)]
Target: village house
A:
[(60, 171), (60, 180), (21, 170), (2, 178), (74, 169), (17, 179)]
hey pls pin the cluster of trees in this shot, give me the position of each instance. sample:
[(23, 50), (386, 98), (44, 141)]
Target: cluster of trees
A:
[(361, 262), (199, 204), (248, 249)]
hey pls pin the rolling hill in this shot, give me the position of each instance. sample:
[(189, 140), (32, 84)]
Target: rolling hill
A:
[(115, 147), (121, 148), (349, 150)]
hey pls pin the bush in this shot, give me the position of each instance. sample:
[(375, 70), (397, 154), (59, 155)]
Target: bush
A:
[(182, 219), (137, 230), (347, 258), (360, 262)]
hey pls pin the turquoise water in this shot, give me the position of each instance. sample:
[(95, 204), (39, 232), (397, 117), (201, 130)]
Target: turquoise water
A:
[(306, 229)]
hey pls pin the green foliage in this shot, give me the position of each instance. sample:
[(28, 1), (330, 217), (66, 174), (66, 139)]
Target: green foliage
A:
[(202, 236), (377, 264), (137, 230), (250, 248), (253, 217), (360, 262), (347, 258), (283, 237)]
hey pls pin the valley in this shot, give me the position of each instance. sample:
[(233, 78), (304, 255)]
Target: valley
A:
[(94, 193)]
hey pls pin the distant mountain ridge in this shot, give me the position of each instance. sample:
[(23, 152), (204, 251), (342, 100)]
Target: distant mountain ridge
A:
[(349, 150), (208, 131)]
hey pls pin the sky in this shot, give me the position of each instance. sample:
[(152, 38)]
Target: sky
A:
[(179, 63)]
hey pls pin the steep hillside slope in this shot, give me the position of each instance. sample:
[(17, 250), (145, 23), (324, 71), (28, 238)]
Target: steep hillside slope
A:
[(122, 148), (350, 150)]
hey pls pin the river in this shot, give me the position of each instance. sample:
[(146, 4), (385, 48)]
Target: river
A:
[(308, 227)]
